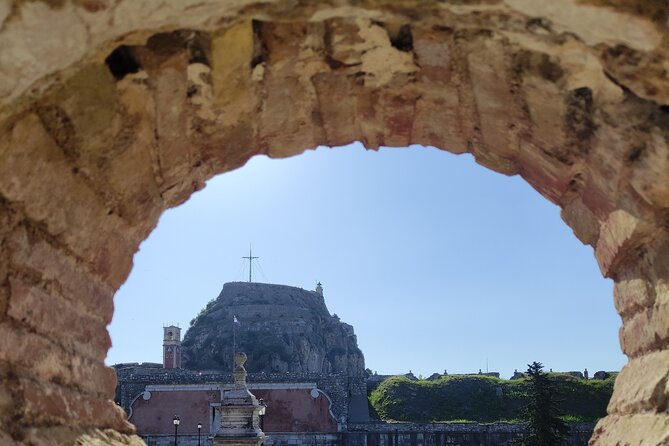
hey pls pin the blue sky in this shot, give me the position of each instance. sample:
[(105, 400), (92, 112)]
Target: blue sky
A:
[(438, 263)]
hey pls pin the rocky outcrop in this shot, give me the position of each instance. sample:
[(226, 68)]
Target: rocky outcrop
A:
[(281, 329)]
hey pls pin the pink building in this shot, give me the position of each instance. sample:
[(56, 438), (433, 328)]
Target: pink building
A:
[(291, 407)]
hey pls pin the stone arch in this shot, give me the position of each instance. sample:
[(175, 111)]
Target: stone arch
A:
[(112, 112)]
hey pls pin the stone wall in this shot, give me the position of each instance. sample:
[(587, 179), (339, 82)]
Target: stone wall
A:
[(442, 434), (113, 111), (341, 389), (400, 434)]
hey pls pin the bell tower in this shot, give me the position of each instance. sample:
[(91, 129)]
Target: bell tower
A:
[(171, 347)]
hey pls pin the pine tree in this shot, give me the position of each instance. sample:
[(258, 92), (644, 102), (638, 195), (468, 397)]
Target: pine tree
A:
[(542, 413)]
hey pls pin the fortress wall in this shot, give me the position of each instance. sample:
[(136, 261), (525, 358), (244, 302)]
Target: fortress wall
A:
[(339, 388), (400, 434)]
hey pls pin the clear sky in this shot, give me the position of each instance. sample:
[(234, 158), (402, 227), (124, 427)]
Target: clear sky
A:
[(437, 262)]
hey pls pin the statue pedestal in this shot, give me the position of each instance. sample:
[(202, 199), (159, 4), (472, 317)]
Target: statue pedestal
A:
[(239, 413)]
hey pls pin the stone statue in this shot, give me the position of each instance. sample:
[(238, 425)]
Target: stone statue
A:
[(239, 412)]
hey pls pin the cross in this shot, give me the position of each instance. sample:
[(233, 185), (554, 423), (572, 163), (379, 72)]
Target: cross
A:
[(250, 257)]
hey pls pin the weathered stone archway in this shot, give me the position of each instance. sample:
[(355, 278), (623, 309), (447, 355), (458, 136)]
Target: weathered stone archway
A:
[(114, 111)]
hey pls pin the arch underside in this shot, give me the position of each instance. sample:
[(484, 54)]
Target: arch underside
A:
[(113, 113)]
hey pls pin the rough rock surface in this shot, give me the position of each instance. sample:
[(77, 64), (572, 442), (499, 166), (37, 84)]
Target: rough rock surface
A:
[(281, 329), (112, 111)]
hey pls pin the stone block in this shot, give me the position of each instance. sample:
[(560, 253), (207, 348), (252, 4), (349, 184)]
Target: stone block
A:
[(84, 108), (287, 124), (581, 220), (113, 256), (77, 284), (134, 170), (47, 404), (631, 294), (651, 164), (497, 108), (231, 55), (660, 272), (437, 126), (544, 173), (369, 118), (38, 357), (33, 306), (642, 385), (639, 429), (398, 117), (605, 159), (32, 169), (168, 78), (619, 235), (338, 110), (33, 154), (646, 331), (232, 147)]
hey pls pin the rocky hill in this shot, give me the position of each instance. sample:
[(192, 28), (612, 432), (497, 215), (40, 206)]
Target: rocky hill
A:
[(281, 329)]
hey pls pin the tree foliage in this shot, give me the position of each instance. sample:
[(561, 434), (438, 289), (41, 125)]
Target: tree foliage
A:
[(484, 399), (542, 413)]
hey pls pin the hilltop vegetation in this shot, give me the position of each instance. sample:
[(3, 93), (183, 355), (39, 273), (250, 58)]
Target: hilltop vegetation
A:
[(483, 398)]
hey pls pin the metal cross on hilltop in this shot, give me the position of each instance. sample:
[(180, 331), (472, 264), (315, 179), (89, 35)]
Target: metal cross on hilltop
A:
[(250, 257)]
